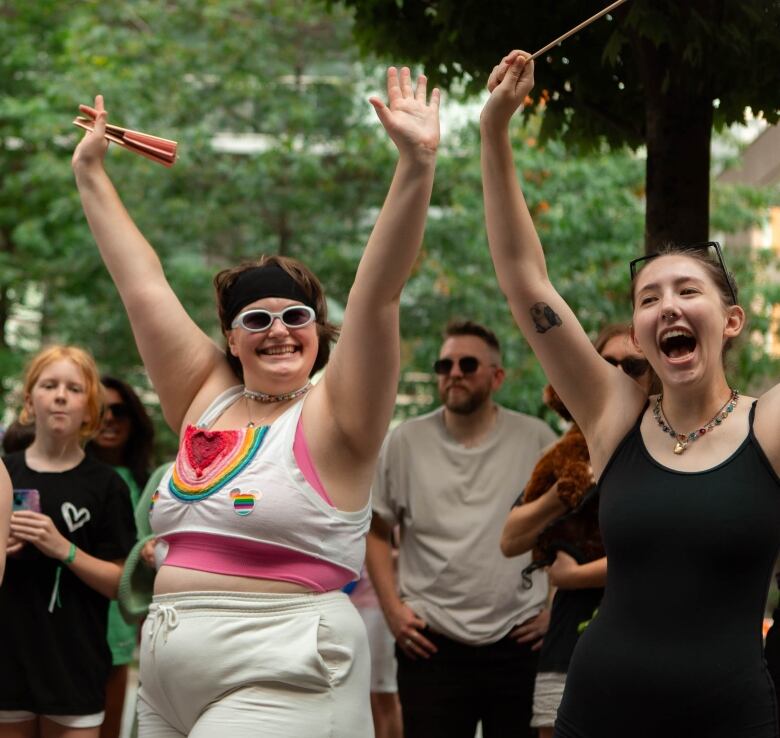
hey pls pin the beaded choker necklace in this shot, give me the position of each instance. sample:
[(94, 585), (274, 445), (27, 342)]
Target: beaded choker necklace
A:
[(683, 439), (265, 397)]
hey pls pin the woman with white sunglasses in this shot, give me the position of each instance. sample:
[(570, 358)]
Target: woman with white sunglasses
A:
[(266, 508)]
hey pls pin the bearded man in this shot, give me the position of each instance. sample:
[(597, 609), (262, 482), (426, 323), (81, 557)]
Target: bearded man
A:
[(466, 626)]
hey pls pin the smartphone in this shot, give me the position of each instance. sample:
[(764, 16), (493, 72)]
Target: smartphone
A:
[(26, 499)]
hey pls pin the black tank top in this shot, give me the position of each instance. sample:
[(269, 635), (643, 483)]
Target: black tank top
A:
[(675, 649)]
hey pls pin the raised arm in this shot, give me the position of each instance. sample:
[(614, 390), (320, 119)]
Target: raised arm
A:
[(179, 357), (361, 381), (548, 324)]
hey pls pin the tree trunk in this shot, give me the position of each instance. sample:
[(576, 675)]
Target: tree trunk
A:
[(285, 235), (679, 117)]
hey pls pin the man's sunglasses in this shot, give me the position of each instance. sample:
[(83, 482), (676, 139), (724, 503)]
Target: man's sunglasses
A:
[(635, 368), (467, 365), (258, 320), (119, 410), (706, 247)]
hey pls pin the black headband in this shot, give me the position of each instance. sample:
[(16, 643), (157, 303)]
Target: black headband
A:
[(259, 282)]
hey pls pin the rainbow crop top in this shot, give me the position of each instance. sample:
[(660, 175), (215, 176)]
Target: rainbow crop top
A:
[(249, 503)]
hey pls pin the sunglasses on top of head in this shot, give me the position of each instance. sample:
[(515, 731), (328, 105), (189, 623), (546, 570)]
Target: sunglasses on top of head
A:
[(258, 320), (708, 248), (467, 365), (635, 368)]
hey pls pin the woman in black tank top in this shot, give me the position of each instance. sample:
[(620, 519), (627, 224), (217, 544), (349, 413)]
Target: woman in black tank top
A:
[(690, 494)]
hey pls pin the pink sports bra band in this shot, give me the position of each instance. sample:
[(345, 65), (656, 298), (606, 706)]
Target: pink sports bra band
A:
[(254, 559)]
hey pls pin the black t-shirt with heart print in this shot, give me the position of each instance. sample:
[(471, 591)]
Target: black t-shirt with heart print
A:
[(57, 662)]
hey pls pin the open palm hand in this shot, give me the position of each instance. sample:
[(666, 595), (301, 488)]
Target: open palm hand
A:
[(409, 119)]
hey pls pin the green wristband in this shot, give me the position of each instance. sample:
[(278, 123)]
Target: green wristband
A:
[(71, 557)]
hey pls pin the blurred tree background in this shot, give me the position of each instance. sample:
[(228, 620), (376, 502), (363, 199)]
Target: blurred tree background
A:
[(657, 73), (280, 152)]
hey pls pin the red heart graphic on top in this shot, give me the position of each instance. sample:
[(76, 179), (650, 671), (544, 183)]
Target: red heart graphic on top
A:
[(203, 447)]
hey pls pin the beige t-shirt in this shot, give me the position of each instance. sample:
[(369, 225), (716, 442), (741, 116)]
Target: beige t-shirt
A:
[(451, 503)]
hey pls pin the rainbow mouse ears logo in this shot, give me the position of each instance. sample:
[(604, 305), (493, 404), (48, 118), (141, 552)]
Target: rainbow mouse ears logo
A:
[(244, 502)]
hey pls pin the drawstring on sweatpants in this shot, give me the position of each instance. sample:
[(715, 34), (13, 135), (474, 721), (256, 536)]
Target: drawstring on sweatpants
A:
[(165, 619)]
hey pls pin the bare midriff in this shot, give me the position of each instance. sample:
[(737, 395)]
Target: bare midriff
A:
[(172, 579)]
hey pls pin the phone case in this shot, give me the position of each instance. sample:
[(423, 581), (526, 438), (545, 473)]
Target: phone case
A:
[(26, 499)]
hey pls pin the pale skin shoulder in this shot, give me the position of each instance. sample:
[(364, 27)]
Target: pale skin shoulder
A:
[(5, 515)]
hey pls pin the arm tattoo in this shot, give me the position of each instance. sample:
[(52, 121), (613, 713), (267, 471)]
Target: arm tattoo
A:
[(544, 317)]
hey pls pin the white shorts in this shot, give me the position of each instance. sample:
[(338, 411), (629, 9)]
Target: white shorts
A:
[(548, 692), (216, 664), (382, 645), (69, 721)]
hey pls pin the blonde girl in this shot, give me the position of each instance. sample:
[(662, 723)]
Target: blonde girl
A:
[(65, 555)]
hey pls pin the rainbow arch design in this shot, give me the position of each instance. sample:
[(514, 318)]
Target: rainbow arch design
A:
[(197, 476)]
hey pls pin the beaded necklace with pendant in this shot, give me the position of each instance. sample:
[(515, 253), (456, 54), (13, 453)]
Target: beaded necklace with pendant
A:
[(683, 439)]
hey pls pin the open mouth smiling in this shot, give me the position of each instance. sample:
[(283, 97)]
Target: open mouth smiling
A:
[(677, 343), (277, 350)]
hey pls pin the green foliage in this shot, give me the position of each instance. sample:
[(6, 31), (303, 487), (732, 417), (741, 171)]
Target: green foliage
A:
[(589, 211), (285, 73), (281, 72), (658, 73), (592, 85)]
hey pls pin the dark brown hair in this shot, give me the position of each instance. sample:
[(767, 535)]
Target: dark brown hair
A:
[(305, 279), (608, 332), (721, 277), (470, 328), (17, 437), (137, 453)]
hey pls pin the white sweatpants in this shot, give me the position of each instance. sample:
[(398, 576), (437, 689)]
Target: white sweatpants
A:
[(217, 664)]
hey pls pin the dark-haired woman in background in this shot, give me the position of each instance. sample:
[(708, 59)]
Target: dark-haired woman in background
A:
[(124, 440), (17, 437)]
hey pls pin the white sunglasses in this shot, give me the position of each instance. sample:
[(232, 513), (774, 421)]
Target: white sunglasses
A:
[(258, 320)]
